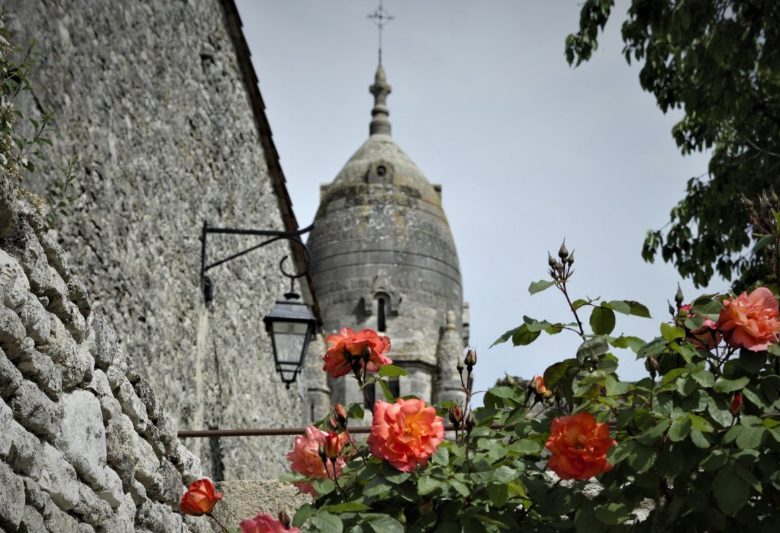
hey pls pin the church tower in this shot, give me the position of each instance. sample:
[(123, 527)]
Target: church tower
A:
[(383, 257)]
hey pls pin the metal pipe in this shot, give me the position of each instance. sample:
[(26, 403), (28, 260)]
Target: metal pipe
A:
[(262, 432)]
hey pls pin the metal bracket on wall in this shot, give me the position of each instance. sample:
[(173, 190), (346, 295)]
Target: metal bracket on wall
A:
[(207, 285)]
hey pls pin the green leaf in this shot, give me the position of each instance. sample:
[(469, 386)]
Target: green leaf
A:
[(498, 494), (626, 341), (557, 372), (680, 428), (704, 378), (730, 385), (539, 286), (392, 371), (326, 522), (441, 456), (397, 479), (302, 514), (731, 492), (427, 484), (592, 349), (345, 507), (671, 333), (602, 320), (630, 307), (504, 474), (323, 486), (750, 437), (388, 394), (699, 439), (700, 423), (612, 513), (386, 524), (356, 411), (523, 336), (460, 487), (502, 391), (715, 460)]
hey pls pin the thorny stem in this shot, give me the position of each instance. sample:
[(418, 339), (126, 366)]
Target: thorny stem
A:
[(334, 477), (221, 526), (562, 287), (361, 452)]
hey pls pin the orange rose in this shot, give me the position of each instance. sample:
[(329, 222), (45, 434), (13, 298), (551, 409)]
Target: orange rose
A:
[(364, 348), (305, 459), (540, 388), (751, 321), (200, 498), (405, 433), (579, 447)]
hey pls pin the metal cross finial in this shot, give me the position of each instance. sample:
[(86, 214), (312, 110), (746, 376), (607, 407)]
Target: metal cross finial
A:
[(381, 18)]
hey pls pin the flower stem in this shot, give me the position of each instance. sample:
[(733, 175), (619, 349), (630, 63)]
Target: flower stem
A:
[(221, 526)]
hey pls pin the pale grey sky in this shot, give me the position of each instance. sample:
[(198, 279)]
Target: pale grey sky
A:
[(528, 150)]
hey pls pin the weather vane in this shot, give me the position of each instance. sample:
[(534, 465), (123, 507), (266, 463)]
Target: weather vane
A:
[(381, 18)]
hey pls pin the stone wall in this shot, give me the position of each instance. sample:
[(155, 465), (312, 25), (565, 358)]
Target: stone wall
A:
[(157, 100), (85, 444)]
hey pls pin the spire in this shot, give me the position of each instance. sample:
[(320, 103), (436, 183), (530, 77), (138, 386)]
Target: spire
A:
[(380, 121)]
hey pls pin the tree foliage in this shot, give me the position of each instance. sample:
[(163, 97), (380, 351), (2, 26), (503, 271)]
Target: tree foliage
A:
[(719, 62)]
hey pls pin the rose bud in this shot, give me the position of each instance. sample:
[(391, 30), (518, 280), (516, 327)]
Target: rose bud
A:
[(563, 253), (200, 498), (471, 358), (333, 424), (333, 445), (456, 416), (340, 414), (736, 404), (471, 421)]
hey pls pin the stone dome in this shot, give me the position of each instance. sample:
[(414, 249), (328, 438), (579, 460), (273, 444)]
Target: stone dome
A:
[(382, 253)]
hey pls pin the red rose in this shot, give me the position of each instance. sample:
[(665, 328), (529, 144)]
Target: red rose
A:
[(751, 321), (265, 523), (579, 446), (364, 348), (736, 403), (200, 498)]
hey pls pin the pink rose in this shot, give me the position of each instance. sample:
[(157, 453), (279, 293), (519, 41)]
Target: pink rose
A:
[(265, 523), (305, 459), (347, 347), (751, 321), (405, 433)]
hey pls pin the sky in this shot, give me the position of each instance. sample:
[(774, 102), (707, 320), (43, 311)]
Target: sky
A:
[(529, 150)]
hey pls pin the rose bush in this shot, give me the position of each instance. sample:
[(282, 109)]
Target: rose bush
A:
[(694, 446)]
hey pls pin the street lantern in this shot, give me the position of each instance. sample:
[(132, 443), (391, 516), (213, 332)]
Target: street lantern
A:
[(291, 325)]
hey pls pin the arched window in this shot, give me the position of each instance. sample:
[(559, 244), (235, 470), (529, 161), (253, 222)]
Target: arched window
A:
[(381, 313)]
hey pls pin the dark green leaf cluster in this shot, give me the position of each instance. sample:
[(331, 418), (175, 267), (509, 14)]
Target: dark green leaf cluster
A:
[(718, 61)]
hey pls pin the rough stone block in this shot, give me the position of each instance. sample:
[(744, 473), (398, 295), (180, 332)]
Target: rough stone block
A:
[(116, 372), (41, 369), (158, 517), (74, 360), (34, 410), (55, 519), (10, 378), (82, 440), (138, 493), (12, 332), (32, 521), (34, 495), (25, 451), (6, 417), (144, 391), (132, 406), (80, 296), (91, 508), (57, 477), (14, 287), (99, 385), (123, 519), (11, 497), (167, 429), (36, 319), (168, 488), (187, 463), (71, 317), (104, 345)]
